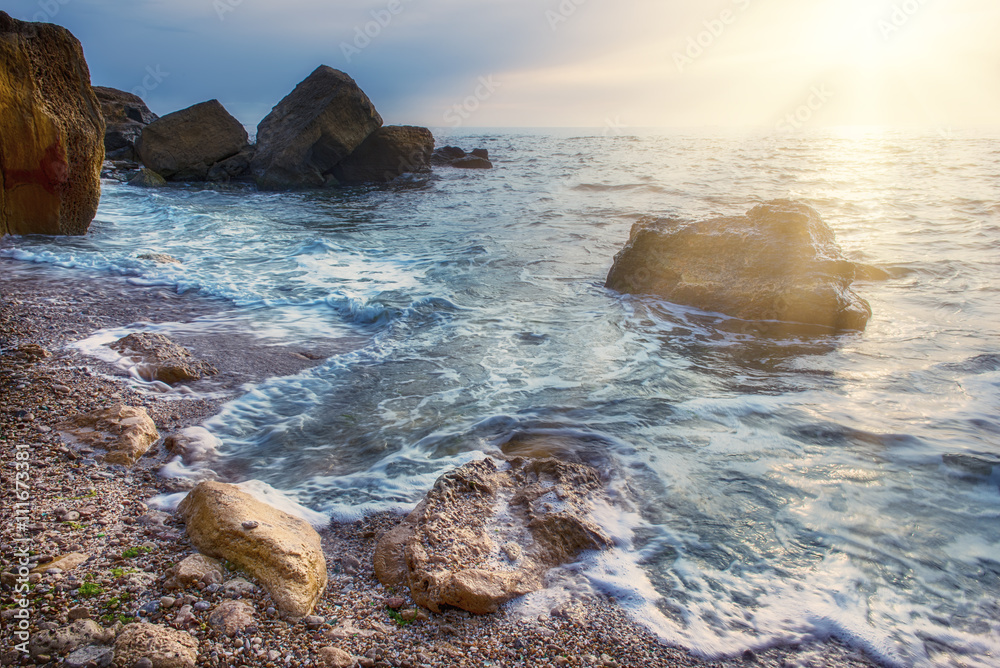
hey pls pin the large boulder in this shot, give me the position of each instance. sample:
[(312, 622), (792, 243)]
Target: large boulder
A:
[(779, 262), (489, 531), (52, 132), (387, 153), (312, 129), (184, 145), (125, 115), (281, 551)]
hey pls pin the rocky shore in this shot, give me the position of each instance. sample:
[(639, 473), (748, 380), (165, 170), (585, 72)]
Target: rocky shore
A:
[(116, 582)]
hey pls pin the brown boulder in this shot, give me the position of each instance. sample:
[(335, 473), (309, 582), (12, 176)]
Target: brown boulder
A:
[(779, 262), (161, 359), (124, 431), (125, 115), (163, 646), (488, 532), (281, 551), (312, 129), (194, 569), (52, 147), (387, 153), (233, 617), (184, 145)]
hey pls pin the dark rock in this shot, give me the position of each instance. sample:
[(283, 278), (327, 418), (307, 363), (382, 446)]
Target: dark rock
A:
[(235, 168), (387, 153), (53, 132), (445, 154), (184, 145), (480, 153), (91, 656), (147, 178), (449, 550), (125, 115), (472, 162), (311, 130), (779, 262)]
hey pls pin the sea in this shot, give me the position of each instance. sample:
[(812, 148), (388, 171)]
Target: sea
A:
[(771, 491)]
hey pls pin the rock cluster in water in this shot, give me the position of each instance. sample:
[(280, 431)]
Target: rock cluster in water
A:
[(52, 130), (778, 262), (489, 531)]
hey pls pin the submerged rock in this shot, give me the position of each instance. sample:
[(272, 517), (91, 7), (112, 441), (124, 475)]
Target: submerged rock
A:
[(52, 129), (311, 130), (780, 262), (126, 432), (387, 153), (125, 115), (488, 532), (184, 145), (147, 178), (161, 359), (163, 647), (453, 156), (281, 551)]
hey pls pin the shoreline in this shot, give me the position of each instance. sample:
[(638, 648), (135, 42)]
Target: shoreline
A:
[(128, 547)]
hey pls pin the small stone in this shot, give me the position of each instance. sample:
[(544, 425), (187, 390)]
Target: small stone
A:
[(336, 657), (408, 615), (313, 622), (167, 602), (90, 656), (185, 617), (395, 602), (238, 587), (144, 662), (233, 617), (202, 606), (249, 525)]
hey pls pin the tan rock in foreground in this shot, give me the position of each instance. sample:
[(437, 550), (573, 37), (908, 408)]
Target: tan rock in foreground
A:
[(161, 359), (52, 131), (126, 432), (487, 532), (281, 551), (164, 647)]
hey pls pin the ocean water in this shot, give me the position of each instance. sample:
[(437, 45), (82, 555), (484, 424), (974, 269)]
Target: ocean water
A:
[(773, 491)]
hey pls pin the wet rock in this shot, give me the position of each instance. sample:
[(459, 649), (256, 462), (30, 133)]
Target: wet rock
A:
[(52, 129), (235, 168), (191, 570), (124, 431), (453, 156), (386, 154), (447, 550), (335, 657), (311, 130), (233, 617), (164, 647), (147, 178), (159, 258), (67, 562), (125, 115), (184, 145), (161, 359), (66, 639), (193, 445), (283, 553), (91, 656), (779, 262)]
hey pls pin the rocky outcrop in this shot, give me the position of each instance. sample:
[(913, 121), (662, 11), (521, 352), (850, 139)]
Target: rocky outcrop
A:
[(124, 431), (453, 156), (125, 115), (162, 646), (488, 532), (311, 130), (388, 152), (236, 168), (281, 551), (185, 145), (779, 262), (161, 359), (52, 132)]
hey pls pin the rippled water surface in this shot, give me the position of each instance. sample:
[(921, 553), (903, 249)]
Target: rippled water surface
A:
[(782, 489)]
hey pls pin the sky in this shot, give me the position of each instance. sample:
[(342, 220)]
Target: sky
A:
[(781, 64)]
